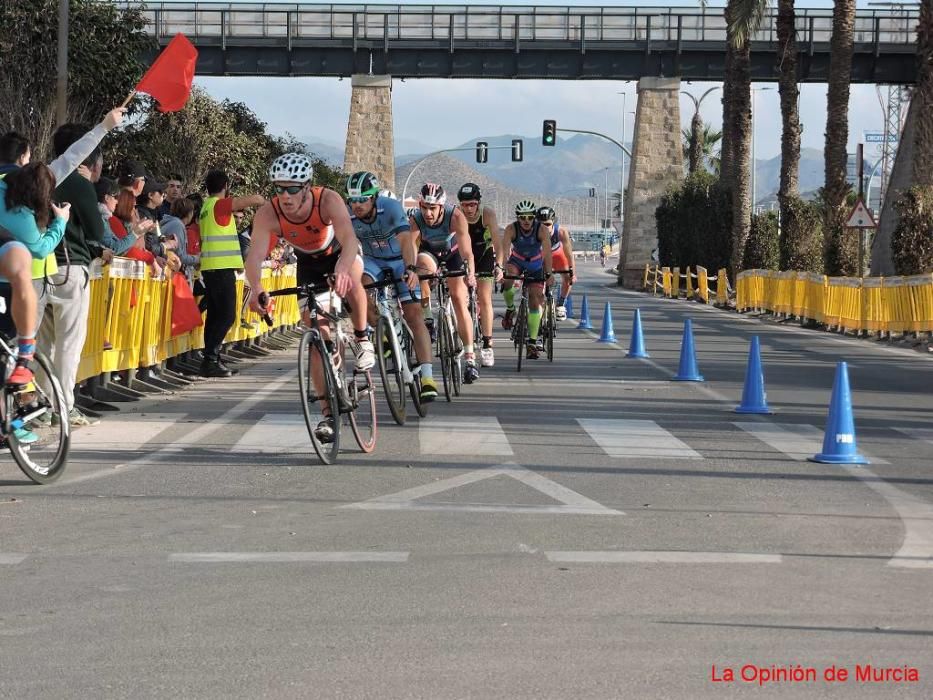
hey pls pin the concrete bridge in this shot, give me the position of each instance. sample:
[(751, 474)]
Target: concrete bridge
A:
[(468, 41), (656, 46)]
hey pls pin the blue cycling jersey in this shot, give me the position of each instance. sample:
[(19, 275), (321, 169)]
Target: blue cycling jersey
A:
[(379, 239), (438, 237), (527, 246)]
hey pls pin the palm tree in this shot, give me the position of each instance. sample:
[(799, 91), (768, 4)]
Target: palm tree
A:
[(705, 143), (787, 87), (694, 152), (923, 141), (743, 17), (840, 249)]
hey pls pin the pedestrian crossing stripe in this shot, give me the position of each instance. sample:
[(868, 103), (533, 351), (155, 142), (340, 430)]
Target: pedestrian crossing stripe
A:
[(477, 436), (125, 433), (799, 442), (275, 433), (569, 502), (11, 559), (644, 439)]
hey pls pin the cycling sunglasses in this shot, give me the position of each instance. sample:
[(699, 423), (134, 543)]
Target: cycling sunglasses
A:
[(289, 189), (526, 217), (359, 200)]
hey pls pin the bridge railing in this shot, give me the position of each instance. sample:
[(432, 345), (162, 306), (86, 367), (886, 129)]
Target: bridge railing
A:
[(506, 23)]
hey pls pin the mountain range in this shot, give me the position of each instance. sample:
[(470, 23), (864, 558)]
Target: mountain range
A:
[(567, 169)]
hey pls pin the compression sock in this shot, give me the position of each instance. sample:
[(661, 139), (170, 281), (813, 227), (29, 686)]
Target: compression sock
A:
[(534, 323), (427, 370), (509, 296), (27, 349)]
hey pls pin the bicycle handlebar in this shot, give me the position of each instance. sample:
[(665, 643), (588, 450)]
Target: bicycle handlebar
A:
[(443, 275)]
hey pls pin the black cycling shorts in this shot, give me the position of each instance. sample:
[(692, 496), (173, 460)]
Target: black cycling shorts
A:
[(484, 261), (451, 258)]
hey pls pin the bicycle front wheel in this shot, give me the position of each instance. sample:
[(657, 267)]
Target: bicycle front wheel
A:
[(390, 371), (314, 405), (550, 328), (36, 425), (521, 330), (363, 416), (444, 349)]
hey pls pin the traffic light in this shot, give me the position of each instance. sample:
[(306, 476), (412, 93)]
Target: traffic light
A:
[(482, 151), (549, 133), (516, 150)]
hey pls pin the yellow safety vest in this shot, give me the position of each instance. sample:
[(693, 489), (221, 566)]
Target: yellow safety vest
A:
[(41, 268), (220, 245)]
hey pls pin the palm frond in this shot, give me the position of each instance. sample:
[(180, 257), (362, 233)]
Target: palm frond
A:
[(747, 16)]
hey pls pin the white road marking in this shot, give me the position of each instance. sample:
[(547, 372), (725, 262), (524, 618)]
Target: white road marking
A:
[(479, 435), (925, 434), (290, 557), (572, 502), (799, 442), (191, 437), (644, 439), (648, 557), (123, 433), (10, 558), (275, 433)]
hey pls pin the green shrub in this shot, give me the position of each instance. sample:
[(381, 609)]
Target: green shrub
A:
[(694, 223), (801, 240), (761, 249), (912, 240)]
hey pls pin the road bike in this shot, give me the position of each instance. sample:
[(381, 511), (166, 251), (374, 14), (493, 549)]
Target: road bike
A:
[(348, 393), (34, 422), (448, 343), (548, 328), (394, 341)]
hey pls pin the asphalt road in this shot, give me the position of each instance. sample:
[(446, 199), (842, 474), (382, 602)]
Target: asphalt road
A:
[(584, 529)]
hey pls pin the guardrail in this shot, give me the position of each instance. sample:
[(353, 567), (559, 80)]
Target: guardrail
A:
[(671, 282), (503, 23), (130, 318), (870, 304)]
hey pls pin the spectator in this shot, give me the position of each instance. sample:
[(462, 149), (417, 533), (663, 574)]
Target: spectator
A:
[(173, 192), (220, 259), (126, 218), (107, 191), (27, 232), (63, 331), (132, 177), (175, 225), (148, 204)]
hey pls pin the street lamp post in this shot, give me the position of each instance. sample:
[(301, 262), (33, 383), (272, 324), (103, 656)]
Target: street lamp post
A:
[(622, 174), (754, 175)]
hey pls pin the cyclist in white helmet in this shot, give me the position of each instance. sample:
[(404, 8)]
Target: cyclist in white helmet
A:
[(314, 221)]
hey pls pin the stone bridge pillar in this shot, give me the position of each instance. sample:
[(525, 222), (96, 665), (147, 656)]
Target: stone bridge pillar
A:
[(657, 163), (370, 143)]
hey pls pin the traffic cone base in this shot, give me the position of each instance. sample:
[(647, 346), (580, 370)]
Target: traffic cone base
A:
[(585, 324), (754, 398), (839, 445), (688, 370), (607, 335), (636, 347)]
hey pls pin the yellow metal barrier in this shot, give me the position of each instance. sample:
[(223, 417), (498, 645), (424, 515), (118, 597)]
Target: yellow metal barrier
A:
[(666, 280), (130, 317), (703, 284)]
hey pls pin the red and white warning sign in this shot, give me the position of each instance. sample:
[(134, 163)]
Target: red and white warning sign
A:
[(860, 217)]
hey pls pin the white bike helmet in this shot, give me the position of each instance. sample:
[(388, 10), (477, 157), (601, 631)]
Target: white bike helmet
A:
[(526, 206), (291, 167), (432, 193)]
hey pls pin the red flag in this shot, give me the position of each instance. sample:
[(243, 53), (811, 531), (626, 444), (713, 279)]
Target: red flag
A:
[(169, 77)]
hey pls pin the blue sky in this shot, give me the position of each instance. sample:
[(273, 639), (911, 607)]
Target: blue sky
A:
[(444, 113)]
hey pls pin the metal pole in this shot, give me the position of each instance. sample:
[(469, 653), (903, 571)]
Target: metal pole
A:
[(61, 113), (754, 179), (622, 174), (860, 169)]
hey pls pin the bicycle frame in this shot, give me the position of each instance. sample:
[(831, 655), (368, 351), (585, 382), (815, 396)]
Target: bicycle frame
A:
[(389, 311)]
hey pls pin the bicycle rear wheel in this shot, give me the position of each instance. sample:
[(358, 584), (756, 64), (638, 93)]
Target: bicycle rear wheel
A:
[(456, 368), (311, 346), (363, 416), (390, 371), (36, 426)]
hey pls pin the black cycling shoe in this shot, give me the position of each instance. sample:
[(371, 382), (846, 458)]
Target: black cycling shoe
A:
[(531, 351), (324, 432), (470, 372)]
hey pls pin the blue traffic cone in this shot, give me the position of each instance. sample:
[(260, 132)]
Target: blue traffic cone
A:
[(754, 397), (607, 335), (568, 306), (839, 439), (585, 324), (636, 347), (688, 370)]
